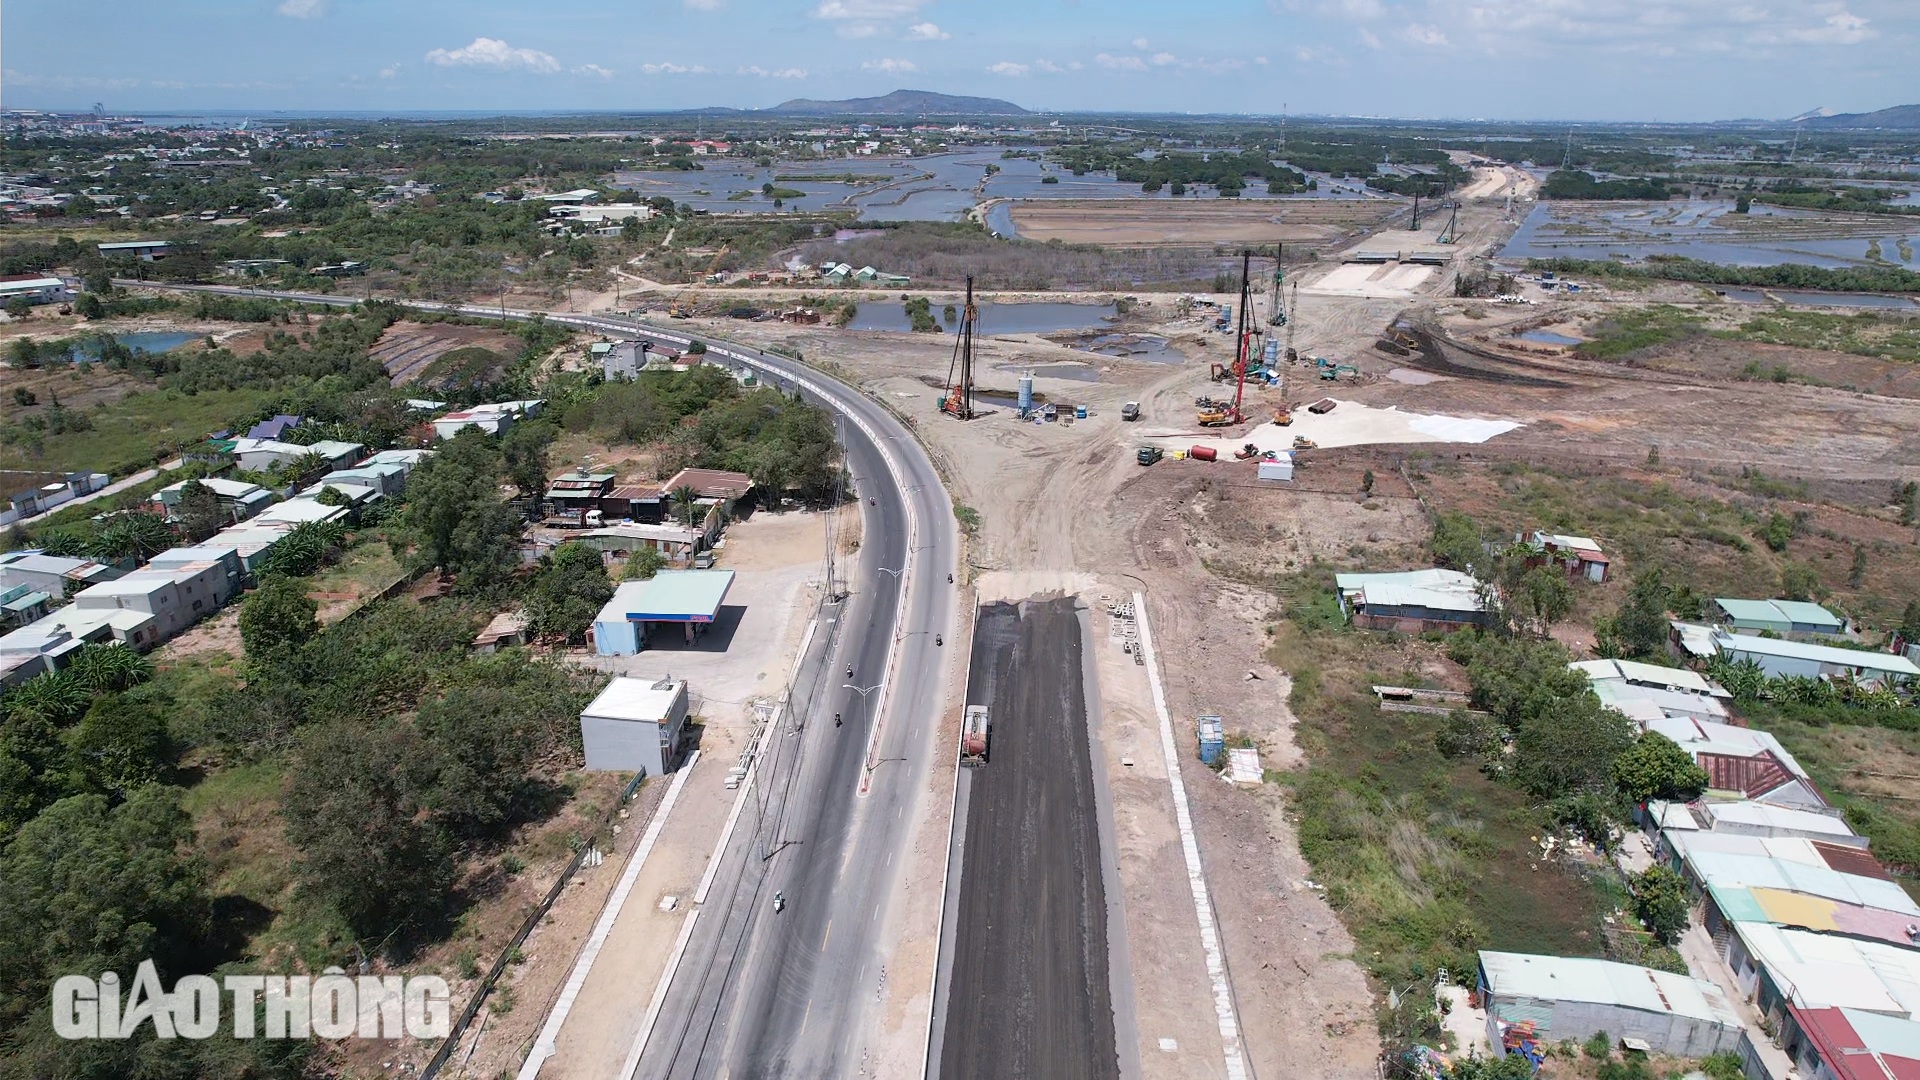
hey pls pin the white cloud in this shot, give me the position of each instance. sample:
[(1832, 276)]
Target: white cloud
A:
[(1368, 38), (790, 73), (783, 73), (867, 9), (303, 9), (1424, 35), (1164, 59), (593, 69), (1047, 66), (1261, 60), (1842, 28), (1140, 43), (1120, 63), (1008, 67), (927, 31), (706, 5), (671, 68), (390, 71), (856, 31), (494, 53), (890, 66)]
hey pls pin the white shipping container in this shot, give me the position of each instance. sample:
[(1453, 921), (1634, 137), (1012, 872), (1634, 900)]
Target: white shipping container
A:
[(1277, 470)]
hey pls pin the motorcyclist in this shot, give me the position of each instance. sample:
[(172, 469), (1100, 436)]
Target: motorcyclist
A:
[(836, 719)]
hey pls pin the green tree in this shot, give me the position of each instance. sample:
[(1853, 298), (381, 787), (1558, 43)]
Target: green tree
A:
[(1546, 596), (357, 811), (1857, 574), (644, 564), (88, 306), (23, 352), (524, 448), (199, 512), (108, 667), (131, 536), (1777, 531), (276, 621), (455, 512), (121, 745), (19, 307), (1910, 621), (1640, 627), (1456, 543), (568, 590), (304, 549), (1655, 767), (1799, 581), (1660, 901), (1570, 747), (687, 498), (89, 887)]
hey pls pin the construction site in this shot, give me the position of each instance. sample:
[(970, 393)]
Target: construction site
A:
[(1316, 416)]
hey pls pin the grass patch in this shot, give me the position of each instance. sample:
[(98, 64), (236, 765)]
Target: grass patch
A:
[(1632, 331), (1426, 859), (1863, 334), (130, 434)]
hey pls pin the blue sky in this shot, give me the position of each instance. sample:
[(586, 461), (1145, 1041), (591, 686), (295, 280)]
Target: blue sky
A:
[(1507, 59)]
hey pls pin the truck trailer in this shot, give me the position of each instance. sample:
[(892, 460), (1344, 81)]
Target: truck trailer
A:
[(974, 736)]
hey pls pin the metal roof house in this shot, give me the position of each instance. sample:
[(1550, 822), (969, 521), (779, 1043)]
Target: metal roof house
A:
[(1742, 762), (1646, 692), (1776, 965), (1851, 1044), (1412, 601), (1786, 617), (635, 725), (689, 598), (55, 575), (240, 499), (36, 288), (1573, 998), (1582, 554), (1778, 658)]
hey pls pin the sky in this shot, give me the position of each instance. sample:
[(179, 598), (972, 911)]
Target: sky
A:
[(1603, 60)]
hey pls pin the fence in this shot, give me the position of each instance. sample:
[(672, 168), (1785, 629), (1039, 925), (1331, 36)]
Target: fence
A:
[(460, 1025)]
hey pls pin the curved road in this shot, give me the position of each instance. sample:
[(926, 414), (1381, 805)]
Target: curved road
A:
[(801, 993)]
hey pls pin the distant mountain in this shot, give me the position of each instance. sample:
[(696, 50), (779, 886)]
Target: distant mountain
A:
[(1898, 118), (1812, 114), (902, 103)]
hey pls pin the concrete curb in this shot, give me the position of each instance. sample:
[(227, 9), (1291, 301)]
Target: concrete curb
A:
[(928, 1068), (544, 1047), (1196, 872)]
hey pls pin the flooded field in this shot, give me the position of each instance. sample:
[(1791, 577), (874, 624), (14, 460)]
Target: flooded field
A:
[(942, 187), (1712, 232), (1788, 296)]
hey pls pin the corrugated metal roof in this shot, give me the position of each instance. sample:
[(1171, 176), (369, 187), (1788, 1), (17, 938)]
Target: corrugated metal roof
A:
[(1759, 611), (1603, 982), (1802, 611), (1818, 970), (1751, 776), (1859, 1045), (1825, 654), (1754, 871)]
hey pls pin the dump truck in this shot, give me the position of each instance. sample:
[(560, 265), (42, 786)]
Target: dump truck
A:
[(1147, 455), (974, 736), (1130, 411)]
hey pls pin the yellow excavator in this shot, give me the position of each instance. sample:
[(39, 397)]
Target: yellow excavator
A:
[(684, 305)]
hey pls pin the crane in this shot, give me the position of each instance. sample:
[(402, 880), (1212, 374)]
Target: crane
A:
[(959, 400), (1225, 414), (1278, 316)]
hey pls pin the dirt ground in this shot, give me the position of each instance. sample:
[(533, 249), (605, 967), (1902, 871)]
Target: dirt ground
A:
[(1060, 501), (1155, 223), (408, 350)]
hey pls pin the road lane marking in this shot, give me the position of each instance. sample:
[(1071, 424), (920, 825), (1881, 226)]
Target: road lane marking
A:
[(828, 937), (544, 1047), (1196, 872)]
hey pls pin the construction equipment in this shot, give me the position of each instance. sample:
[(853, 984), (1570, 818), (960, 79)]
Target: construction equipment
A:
[(1147, 455), (1278, 316), (1332, 372), (1130, 411), (975, 734), (1301, 442), (959, 400), (1282, 415), (684, 305), (1214, 417)]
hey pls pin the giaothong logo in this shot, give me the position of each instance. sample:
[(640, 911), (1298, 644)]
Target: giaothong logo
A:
[(331, 1006)]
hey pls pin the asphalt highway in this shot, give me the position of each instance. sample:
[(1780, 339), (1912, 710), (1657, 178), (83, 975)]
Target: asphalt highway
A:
[(1028, 994), (800, 993)]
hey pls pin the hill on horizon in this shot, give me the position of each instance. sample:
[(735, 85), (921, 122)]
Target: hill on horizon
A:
[(903, 103), (1899, 117)]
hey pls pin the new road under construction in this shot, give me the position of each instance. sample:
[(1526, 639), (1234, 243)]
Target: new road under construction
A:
[(1028, 986)]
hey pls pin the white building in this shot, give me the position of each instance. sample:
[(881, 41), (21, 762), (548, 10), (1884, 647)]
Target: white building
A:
[(1571, 999), (35, 288), (54, 575), (260, 455), (493, 419), (1646, 692), (634, 725)]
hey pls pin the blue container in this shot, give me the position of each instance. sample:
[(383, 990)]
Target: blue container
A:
[(1213, 740), (1026, 394), (1079, 412)]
